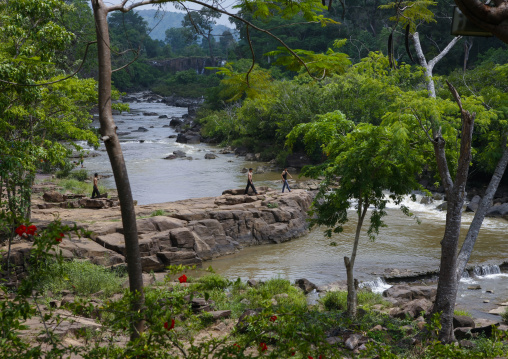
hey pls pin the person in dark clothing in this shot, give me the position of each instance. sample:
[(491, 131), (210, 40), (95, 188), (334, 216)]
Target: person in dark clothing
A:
[(95, 192), (284, 176), (249, 183)]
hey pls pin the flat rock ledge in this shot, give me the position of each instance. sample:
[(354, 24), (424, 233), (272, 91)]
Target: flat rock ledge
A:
[(189, 231)]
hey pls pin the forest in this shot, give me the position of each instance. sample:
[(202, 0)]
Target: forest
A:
[(377, 95)]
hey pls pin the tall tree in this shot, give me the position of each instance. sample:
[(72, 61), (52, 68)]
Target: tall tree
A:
[(108, 128), (366, 160)]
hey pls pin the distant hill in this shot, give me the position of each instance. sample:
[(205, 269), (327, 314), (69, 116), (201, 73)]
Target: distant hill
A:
[(171, 19)]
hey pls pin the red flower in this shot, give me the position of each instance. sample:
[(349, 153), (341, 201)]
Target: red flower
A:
[(320, 357), (293, 352), (31, 230), (59, 238), (237, 346), (309, 357), (273, 318), (20, 230), (263, 347), (183, 279), (168, 326)]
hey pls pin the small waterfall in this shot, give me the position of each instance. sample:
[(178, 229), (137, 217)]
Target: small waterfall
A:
[(488, 269), (377, 285)]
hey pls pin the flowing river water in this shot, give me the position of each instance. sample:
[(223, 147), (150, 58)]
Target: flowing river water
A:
[(403, 245)]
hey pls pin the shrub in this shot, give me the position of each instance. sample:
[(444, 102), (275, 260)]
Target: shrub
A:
[(462, 313), (80, 175), (212, 281), (334, 300), (158, 212), (64, 170), (338, 300)]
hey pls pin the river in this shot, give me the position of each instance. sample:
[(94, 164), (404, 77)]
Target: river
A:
[(403, 244)]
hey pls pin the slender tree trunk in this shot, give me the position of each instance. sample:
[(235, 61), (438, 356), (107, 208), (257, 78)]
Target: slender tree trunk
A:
[(110, 138), (352, 283), (479, 216), (455, 191)]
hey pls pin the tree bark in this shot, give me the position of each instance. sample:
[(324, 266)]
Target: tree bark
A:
[(448, 281), (479, 216), (112, 143), (490, 18), (352, 284)]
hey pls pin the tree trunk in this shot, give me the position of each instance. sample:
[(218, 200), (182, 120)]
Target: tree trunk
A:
[(448, 281), (479, 216), (110, 138), (429, 66), (352, 283)]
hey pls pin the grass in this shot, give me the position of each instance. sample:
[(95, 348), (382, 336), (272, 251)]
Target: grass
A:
[(158, 212), (338, 300), (462, 313), (77, 187), (83, 278)]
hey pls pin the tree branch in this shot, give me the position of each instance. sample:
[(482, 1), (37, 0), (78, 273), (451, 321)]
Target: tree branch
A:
[(447, 49), (421, 124), (465, 140), (253, 56)]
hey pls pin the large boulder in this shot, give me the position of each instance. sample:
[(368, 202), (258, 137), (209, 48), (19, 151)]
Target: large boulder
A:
[(179, 153), (96, 253), (412, 309), (473, 204), (163, 223), (498, 211), (213, 234), (184, 257), (463, 321), (306, 285), (182, 238), (53, 196), (94, 203), (175, 122), (152, 263), (116, 242)]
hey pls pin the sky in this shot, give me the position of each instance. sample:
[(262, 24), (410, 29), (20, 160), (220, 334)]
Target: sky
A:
[(226, 4)]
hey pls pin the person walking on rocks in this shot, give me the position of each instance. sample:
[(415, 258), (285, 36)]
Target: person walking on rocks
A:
[(95, 192), (249, 183), (284, 176)]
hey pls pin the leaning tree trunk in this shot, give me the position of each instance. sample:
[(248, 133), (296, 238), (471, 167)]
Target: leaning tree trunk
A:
[(112, 143), (352, 283), (455, 191), (481, 211)]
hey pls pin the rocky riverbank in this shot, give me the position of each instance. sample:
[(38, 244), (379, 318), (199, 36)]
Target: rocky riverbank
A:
[(182, 232)]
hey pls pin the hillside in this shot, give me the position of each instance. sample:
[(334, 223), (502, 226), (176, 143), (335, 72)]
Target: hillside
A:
[(168, 19)]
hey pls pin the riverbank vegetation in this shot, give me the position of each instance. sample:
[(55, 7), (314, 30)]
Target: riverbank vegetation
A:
[(258, 319)]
